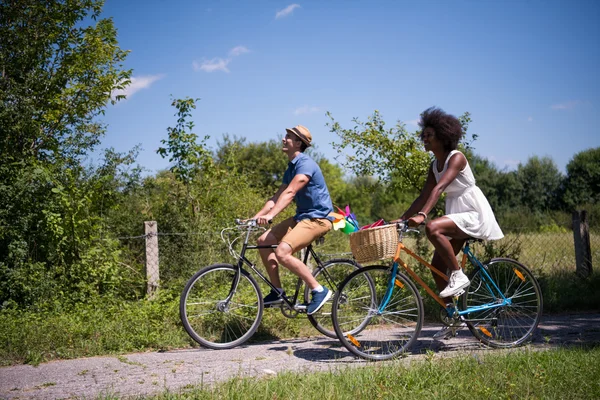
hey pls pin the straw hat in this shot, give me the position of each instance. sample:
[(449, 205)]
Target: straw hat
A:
[(302, 132)]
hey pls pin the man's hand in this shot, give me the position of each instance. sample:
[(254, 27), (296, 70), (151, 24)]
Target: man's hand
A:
[(265, 219)]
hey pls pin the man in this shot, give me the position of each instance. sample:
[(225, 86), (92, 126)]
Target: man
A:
[(303, 181)]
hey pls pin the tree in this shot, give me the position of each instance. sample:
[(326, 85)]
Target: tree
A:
[(56, 77), (393, 155), (188, 157), (582, 185), (59, 64), (540, 181), (262, 163)]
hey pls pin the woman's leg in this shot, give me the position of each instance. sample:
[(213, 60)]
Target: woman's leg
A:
[(438, 231), (440, 264)]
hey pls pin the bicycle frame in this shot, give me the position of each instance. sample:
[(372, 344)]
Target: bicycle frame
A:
[(467, 255), (291, 302)]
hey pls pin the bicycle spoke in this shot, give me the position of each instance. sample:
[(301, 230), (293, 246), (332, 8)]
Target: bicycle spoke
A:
[(508, 325), (210, 320), (330, 274), (389, 332)]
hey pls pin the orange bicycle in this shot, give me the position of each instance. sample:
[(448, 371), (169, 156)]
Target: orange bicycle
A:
[(501, 306)]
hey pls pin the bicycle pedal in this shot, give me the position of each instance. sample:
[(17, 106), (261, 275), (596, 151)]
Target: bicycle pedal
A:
[(300, 307)]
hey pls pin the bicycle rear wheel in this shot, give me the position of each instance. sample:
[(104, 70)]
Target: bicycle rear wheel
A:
[(330, 275), (510, 325), (392, 327), (212, 320)]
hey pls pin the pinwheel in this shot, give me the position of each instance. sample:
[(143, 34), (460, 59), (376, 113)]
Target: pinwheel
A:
[(345, 220)]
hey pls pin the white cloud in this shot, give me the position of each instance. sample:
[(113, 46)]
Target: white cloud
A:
[(529, 119), (414, 122), (137, 83), (216, 64), (238, 50), (306, 110), (566, 105), (286, 11)]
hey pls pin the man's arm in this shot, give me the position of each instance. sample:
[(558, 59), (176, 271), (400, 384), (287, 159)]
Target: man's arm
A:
[(271, 202), (284, 198)]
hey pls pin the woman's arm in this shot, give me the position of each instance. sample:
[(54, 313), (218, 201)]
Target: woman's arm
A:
[(456, 164), (417, 205)]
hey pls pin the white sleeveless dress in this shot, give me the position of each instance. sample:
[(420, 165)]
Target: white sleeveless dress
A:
[(466, 204)]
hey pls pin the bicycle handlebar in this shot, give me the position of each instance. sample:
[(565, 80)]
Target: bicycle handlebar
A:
[(403, 227), (248, 222)]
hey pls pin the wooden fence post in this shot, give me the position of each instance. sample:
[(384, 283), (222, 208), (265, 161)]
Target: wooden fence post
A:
[(152, 274), (583, 252)]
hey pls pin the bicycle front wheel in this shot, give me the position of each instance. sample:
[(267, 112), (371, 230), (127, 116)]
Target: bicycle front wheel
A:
[(211, 316), (331, 275), (393, 310), (509, 325)]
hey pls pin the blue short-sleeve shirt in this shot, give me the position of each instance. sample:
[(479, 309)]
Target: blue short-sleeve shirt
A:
[(313, 200)]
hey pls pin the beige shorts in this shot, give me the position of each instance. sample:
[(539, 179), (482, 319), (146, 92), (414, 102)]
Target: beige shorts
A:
[(300, 234)]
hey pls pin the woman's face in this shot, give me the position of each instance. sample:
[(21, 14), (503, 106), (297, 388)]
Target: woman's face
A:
[(429, 139)]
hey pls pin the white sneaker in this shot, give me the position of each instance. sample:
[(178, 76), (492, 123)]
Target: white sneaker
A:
[(457, 282)]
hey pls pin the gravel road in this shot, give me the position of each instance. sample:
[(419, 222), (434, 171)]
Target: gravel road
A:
[(155, 372)]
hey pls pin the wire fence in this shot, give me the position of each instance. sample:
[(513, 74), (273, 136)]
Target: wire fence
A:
[(170, 258)]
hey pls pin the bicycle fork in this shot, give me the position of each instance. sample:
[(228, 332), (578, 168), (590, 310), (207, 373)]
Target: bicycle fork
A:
[(390, 288)]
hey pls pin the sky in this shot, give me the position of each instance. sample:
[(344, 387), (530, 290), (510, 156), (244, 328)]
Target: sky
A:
[(527, 71)]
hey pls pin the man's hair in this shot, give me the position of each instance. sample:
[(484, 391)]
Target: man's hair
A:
[(447, 127), (303, 145)]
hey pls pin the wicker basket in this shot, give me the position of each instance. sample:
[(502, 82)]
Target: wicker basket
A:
[(374, 244)]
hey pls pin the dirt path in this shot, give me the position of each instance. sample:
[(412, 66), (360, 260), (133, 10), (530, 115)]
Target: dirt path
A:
[(147, 373)]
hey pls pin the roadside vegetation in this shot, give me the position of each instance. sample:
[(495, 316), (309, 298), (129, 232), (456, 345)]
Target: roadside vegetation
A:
[(72, 250), (552, 374)]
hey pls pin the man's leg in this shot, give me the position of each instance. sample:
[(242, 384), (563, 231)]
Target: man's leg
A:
[(284, 254), (298, 238), (303, 234), (269, 238), (268, 257)]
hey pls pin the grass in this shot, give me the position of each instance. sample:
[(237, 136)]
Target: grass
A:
[(553, 374), (28, 337), (118, 327)]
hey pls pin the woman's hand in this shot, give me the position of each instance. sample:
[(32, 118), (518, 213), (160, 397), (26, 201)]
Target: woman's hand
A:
[(416, 220)]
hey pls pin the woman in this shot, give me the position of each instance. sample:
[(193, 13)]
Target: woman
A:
[(468, 213)]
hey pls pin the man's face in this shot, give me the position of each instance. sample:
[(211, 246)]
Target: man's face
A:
[(290, 142)]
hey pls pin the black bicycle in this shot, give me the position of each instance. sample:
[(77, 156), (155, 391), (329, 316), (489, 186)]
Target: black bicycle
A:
[(222, 305)]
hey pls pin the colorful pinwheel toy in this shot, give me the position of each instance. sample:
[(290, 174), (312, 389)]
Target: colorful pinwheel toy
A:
[(345, 220)]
